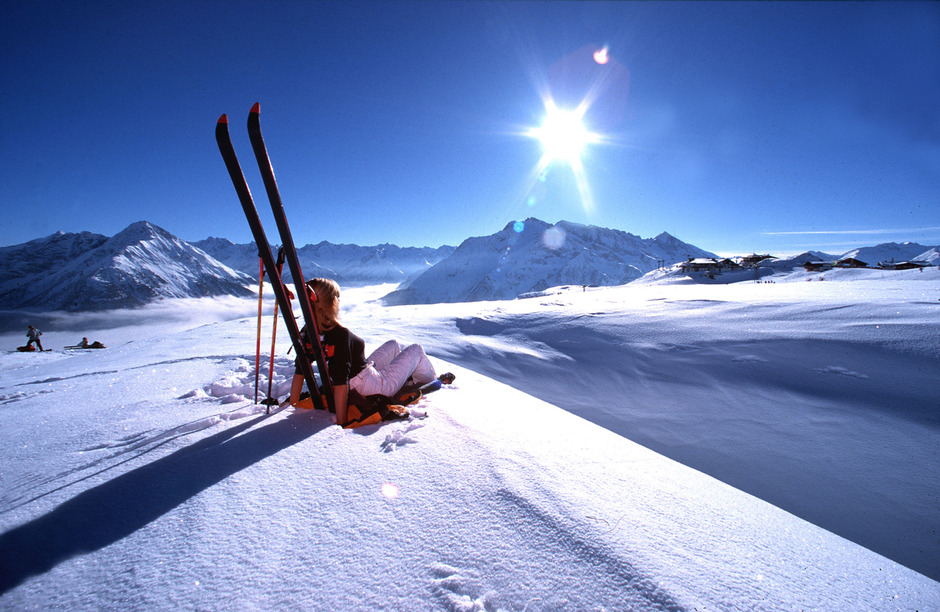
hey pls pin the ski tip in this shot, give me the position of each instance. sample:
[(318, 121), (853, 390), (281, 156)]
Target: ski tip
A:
[(222, 119), (256, 109)]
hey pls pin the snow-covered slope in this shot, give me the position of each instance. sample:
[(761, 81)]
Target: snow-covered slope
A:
[(141, 477), (134, 267), (782, 389), (350, 265), (932, 256), (533, 255)]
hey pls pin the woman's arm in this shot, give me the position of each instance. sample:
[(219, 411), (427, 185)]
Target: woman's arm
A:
[(341, 402), (296, 386), (340, 398)]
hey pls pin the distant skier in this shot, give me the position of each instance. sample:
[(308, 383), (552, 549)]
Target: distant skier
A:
[(32, 335), (83, 343), (386, 370)]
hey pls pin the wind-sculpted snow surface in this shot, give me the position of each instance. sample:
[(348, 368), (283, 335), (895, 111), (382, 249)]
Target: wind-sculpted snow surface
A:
[(819, 397), (142, 477)]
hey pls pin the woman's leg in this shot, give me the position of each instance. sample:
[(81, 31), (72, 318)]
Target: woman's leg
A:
[(384, 355), (412, 363), (424, 371)]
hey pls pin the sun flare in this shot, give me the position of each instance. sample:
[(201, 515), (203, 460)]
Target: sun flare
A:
[(562, 134), (564, 138)]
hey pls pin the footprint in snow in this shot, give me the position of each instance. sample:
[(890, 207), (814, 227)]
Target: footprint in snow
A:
[(459, 591), (400, 437)]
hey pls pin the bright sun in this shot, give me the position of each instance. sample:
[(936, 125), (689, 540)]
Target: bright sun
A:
[(564, 137), (562, 134)]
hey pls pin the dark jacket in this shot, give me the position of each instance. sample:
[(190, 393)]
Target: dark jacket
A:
[(344, 351)]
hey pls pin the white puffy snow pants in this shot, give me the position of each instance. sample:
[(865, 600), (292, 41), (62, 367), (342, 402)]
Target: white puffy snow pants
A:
[(389, 368)]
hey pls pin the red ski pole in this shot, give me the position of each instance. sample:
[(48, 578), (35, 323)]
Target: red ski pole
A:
[(258, 343)]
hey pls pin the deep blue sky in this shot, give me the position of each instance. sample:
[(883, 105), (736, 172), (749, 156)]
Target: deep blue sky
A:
[(735, 126)]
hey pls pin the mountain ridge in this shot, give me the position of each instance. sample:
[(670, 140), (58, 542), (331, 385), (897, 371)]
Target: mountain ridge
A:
[(143, 263), (532, 255), (348, 264), (136, 266)]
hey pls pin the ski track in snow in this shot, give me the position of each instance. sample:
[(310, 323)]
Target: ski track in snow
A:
[(841, 371), (9, 398), (748, 358)]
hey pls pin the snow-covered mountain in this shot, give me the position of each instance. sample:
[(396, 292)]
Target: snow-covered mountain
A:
[(887, 251), (802, 258), (42, 256), (534, 255), (350, 265), (781, 268), (872, 255), (87, 271), (92, 272), (241, 257)]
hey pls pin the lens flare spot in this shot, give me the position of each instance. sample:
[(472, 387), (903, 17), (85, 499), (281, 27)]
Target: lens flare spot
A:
[(390, 490), (518, 226), (601, 56), (553, 238)]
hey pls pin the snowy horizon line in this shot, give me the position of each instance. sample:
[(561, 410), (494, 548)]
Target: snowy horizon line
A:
[(796, 249)]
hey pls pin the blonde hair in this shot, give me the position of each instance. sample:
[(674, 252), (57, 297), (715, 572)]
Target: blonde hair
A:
[(326, 305)]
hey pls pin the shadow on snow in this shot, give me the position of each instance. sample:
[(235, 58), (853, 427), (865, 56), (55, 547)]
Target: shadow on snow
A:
[(116, 509)]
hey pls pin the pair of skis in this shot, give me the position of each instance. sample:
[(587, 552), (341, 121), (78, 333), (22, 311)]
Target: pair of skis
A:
[(264, 250)]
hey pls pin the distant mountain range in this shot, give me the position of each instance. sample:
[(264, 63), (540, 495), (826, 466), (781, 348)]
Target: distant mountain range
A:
[(872, 256), (893, 252), (143, 263), (348, 264)]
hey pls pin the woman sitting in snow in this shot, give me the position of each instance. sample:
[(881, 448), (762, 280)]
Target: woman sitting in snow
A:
[(385, 371)]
